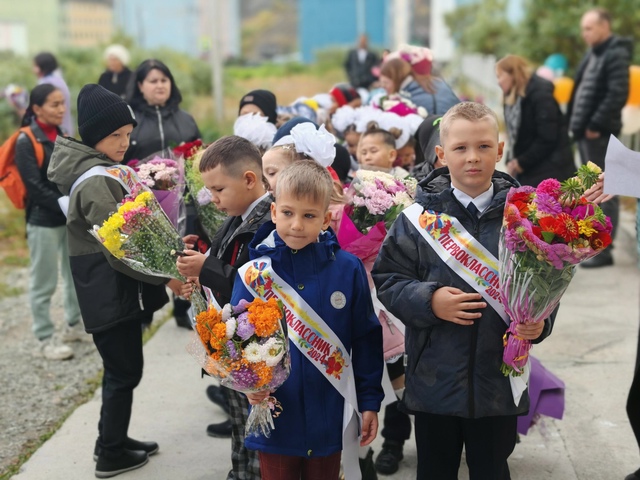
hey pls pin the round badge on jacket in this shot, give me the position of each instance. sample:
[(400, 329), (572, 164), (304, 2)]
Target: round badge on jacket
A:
[(338, 300)]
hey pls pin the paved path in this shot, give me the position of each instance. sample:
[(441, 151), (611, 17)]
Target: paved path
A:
[(592, 348)]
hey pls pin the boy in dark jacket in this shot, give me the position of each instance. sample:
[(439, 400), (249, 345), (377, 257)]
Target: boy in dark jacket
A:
[(454, 385), (113, 298), (231, 169), (329, 311)]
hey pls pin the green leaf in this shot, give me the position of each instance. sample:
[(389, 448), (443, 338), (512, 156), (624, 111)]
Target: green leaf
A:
[(548, 236)]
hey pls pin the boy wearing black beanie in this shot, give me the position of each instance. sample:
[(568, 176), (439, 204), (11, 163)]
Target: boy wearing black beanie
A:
[(262, 102), (113, 298)]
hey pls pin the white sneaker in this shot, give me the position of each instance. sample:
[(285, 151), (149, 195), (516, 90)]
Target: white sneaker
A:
[(74, 333), (50, 350)]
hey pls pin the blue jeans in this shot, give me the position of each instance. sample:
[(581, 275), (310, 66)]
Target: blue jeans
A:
[(47, 245)]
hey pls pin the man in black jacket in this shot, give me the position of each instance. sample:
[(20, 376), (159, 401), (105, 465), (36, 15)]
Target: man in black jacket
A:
[(359, 63), (601, 90)]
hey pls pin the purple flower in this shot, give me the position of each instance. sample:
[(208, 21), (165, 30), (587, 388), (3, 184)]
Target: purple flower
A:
[(583, 211), (244, 378), (203, 196), (240, 307), (548, 204), (280, 374), (233, 351), (245, 328), (513, 240)]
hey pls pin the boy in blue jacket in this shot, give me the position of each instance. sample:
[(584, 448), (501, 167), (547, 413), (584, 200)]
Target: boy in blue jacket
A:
[(335, 337), (454, 385)]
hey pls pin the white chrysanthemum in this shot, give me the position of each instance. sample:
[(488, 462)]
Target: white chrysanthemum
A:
[(272, 351), (252, 352), (403, 199), (231, 325), (226, 312)]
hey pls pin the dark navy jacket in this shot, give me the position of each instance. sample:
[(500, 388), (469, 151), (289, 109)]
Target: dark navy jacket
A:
[(452, 369), (311, 420)]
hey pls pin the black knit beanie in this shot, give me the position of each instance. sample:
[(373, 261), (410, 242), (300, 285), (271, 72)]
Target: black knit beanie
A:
[(100, 113), (264, 100)]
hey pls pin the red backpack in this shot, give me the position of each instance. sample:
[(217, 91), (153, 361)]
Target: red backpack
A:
[(10, 178)]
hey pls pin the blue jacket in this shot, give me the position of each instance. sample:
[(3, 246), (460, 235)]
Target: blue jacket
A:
[(451, 369), (311, 421), (436, 103)]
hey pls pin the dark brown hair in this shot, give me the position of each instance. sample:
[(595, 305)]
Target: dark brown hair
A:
[(235, 154), (388, 136)]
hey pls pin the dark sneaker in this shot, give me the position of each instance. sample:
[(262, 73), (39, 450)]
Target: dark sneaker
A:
[(183, 321), (216, 396), (367, 468), (151, 448), (129, 460), (220, 430), (388, 461), (603, 259), (633, 476)]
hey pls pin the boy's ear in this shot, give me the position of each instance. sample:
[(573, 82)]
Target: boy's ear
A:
[(500, 151), (440, 154), (327, 220), (250, 178), (273, 212)]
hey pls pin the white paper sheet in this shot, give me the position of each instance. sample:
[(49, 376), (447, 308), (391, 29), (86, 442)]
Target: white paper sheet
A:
[(622, 170)]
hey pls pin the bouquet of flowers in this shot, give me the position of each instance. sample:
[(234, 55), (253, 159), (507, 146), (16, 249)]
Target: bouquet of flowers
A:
[(400, 105), (164, 175), (546, 232), (247, 349), (140, 234), (210, 217)]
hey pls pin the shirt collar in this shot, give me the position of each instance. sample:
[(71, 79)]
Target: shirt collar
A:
[(253, 205), (481, 202)]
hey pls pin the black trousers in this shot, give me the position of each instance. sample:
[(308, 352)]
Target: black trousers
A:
[(488, 442), (633, 402), (396, 425), (595, 150), (121, 350)]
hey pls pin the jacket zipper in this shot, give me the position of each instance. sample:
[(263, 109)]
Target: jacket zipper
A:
[(140, 301), (160, 126)]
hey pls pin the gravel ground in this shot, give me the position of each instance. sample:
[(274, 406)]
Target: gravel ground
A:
[(35, 393)]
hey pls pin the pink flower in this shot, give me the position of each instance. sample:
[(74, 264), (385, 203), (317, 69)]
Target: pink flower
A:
[(550, 186), (548, 204)]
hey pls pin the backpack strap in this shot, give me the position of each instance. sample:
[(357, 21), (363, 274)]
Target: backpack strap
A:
[(37, 146)]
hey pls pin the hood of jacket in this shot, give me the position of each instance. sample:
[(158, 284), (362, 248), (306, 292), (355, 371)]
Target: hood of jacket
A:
[(615, 43), (70, 159), (267, 242)]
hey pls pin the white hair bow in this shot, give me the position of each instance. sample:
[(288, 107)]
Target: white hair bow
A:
[(255, 128), (316, 144)]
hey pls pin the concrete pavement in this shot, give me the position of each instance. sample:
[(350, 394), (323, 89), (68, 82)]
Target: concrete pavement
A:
[(592, 349)]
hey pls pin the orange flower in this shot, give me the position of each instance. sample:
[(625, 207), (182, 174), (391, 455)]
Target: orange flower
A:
[(265, 316), (264, 373), (219, 331)]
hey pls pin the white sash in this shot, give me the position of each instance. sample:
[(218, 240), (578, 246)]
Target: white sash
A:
[(318, 343), (120, 173), (468, 259)]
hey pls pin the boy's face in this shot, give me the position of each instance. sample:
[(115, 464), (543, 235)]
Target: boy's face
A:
[(299, 221), (273, 162), (115, 145), (230, 194), (373, 152), (471, 151)]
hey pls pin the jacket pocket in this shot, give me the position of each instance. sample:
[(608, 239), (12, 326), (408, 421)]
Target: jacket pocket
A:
[(424, 342)]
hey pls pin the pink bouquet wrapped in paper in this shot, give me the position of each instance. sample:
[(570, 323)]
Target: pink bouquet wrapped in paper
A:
[(400, 105), (164, 175), (546, 232)]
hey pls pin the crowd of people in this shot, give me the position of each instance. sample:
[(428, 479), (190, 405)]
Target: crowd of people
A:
[(282, 182)]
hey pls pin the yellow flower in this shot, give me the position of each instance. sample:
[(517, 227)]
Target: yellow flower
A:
[(585, 227), (125, 207), (593, 167), (144, 198)]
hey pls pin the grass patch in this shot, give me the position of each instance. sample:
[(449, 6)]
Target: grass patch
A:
[(92, 384), (9, 291)]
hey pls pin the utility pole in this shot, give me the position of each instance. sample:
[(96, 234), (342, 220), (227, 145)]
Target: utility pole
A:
[(215, 57)]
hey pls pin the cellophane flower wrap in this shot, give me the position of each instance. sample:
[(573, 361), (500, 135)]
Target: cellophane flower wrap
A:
[(246, 348), (163, 174), (374, 201), (140, 234), (546, 232), (210, 217)]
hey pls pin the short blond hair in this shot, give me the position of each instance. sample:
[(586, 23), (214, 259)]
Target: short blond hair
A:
[(306, 179), (471, 111)]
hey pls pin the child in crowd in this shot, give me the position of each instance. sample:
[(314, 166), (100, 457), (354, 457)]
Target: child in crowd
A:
[(377, 150), (454, 385), (262, 102), (113, 298), (332, 285), (406, 155), (231, 169)]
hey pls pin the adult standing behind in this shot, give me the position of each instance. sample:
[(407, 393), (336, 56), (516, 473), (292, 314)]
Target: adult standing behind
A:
[(359, 64), (45, 66), (46, 224), (538, 135), (408, 73), (155, 99), (116, 77), (600, 92)]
